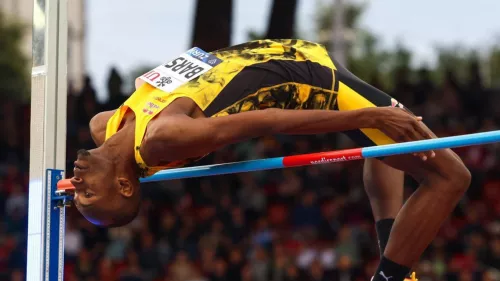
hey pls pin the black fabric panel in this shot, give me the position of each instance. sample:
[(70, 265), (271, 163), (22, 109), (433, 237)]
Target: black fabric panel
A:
[(372, 94), (359, 138), (268, 74)]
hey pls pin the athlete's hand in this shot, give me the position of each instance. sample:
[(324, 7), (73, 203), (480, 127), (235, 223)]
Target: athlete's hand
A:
[(401, 126)]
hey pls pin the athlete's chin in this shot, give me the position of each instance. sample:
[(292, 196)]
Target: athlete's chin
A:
[(101, 222), (95, 217)]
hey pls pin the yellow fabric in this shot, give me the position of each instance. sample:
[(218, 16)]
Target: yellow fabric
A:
[(348, 99), (147, 101)]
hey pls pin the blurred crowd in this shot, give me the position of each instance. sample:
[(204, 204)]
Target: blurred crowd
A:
[(311, 223)]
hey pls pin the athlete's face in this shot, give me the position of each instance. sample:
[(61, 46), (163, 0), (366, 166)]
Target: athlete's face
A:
[(102, 197)]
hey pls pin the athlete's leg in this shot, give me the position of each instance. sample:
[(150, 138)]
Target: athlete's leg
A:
[(443, 180), (384, 186)]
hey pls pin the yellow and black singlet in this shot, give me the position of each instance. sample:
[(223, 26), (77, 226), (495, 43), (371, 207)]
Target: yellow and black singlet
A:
[(286, 74)]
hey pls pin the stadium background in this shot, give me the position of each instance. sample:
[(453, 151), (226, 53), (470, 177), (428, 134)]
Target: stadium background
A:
[(309, 223)]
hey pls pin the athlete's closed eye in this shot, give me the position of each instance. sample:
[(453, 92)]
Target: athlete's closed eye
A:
[(85, 203), (84, 193)]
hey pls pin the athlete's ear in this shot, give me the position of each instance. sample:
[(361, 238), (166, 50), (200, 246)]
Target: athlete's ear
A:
[(126, 188)]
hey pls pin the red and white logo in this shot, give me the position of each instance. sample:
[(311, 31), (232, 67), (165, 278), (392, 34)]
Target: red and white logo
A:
[(151, 75), (150, 108)]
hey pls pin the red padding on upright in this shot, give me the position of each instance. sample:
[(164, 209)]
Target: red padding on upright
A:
[(65, 185)]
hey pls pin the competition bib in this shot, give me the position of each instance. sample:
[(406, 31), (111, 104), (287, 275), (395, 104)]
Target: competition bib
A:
[(186, 67)]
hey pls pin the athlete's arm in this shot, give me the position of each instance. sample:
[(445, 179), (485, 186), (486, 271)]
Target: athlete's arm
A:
[(180, 137)]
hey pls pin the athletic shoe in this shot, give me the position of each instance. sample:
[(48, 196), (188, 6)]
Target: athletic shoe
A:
[(413, 277)]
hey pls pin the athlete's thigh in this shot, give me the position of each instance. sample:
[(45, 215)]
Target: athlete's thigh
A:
[(443, 164), (353, 93)]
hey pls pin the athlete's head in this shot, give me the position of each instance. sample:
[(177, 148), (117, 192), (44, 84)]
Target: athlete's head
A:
[(106, 188)]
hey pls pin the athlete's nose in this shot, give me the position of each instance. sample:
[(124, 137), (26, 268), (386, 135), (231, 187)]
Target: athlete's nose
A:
[(76, 180)]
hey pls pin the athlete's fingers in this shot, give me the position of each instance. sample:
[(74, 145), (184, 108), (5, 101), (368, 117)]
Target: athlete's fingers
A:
[(421, 130), (418, 126), (415, 136)]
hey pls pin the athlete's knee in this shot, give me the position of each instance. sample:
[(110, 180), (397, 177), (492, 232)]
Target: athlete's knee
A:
[(461, 176), (452, 172), (445, 173)]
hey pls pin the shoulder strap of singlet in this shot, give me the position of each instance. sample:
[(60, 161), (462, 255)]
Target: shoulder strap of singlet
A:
[(138, 103), (145, 110), (114, 121)]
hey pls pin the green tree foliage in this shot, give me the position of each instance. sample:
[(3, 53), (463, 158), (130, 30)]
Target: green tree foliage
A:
[(14, 74), (367, 61), (365, 58), (326, 16), (493, 63), (374, 64), (455, 58)]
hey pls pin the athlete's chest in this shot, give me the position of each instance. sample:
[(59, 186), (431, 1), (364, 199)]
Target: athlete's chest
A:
[(181, 106)]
